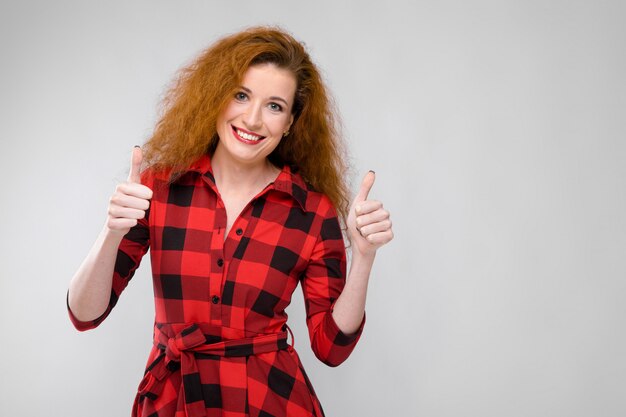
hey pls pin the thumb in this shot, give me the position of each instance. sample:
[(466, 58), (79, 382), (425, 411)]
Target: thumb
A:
[(366, 186), (135, 165)]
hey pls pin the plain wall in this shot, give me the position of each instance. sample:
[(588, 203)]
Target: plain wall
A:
[(497, 131)]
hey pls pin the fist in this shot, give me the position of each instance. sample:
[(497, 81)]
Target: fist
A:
[(369, 225), (131, 199)]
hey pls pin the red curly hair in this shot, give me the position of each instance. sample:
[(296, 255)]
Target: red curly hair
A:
[(203, 89)]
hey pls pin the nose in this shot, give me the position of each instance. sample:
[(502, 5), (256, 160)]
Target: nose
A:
[(252, 117)]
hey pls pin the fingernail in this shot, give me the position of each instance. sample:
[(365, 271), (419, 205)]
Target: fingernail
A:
[(137, 146), (372, 171)]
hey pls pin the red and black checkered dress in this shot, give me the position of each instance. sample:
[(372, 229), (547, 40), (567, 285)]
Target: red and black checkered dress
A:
[(220, 341)]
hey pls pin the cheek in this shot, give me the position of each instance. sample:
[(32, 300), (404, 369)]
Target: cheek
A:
[(226, 115), (280, 124)]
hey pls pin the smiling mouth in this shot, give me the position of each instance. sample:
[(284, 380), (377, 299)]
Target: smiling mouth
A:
[(246, 136)]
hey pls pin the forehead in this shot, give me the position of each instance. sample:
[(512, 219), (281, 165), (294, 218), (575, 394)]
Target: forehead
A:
[(270, 80)]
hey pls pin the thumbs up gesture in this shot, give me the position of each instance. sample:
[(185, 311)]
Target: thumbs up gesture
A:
[(130, 200), (369, 224)]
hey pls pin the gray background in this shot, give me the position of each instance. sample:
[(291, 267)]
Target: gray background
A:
[(496, 129)]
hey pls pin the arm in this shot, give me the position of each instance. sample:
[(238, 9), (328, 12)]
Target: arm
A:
[(349, 308), (322, 284), (122, 242), (369, 228), (90, 288), (336, 305)]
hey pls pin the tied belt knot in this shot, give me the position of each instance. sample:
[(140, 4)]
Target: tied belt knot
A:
[(184, 341), (178, 353)]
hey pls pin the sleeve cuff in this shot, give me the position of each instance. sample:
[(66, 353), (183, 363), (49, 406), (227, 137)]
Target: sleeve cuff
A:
[(79, 324), (339, 338)]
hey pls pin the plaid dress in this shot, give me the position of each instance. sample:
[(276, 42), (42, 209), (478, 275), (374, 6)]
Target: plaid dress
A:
[(220, 335)]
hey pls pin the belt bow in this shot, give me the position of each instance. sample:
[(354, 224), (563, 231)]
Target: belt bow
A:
[(178, 354)]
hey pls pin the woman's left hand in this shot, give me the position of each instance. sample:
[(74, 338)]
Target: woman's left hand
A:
[(369, 224)]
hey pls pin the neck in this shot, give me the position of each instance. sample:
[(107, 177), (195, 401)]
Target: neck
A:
[(230, 175)]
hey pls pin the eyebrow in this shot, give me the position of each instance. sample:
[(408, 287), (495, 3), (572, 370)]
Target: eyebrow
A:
[(275, 98)]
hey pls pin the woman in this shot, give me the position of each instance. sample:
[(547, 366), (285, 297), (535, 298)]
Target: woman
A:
[(241, 200)]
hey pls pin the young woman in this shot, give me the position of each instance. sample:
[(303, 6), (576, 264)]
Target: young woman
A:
[(241, 198)]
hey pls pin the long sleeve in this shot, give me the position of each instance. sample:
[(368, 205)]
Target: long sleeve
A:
[(322, 284)]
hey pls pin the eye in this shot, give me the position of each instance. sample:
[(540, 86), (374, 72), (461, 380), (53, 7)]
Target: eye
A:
[(241, 96), (275, 107)]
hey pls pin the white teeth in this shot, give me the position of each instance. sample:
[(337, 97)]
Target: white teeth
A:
[(248, 136)]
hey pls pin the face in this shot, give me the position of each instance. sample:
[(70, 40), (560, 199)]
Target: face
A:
[(253, 123)]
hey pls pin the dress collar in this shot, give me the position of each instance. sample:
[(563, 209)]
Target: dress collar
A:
[(287, 181)]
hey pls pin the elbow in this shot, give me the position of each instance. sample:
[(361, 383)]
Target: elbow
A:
[(329, 344), (82, 325), (330, 354), (82, 328), (329, 360)]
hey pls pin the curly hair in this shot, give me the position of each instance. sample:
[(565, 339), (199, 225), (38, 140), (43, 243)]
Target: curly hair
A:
[(187, 126)]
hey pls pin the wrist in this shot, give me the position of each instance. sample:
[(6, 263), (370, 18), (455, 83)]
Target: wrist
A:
[(366, 257), (360, 266), (113, 235)]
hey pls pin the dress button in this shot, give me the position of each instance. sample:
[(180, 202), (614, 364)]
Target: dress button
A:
[(215, 299), (220, 262), (239, 232)]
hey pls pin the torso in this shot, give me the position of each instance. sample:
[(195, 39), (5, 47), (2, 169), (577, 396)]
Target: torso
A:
[(236, 289)]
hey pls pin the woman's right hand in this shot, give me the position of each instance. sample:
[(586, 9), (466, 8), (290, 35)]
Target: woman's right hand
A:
[(131, 199)]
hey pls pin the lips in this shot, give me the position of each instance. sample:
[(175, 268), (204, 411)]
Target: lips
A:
[(246, 136)]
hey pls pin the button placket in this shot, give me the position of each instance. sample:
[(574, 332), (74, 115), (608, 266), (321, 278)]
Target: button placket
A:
[(218, 265)]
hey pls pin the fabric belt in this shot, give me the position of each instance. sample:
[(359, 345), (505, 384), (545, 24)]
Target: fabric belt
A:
[(178, 354)]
